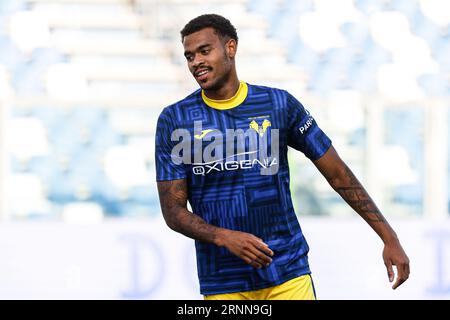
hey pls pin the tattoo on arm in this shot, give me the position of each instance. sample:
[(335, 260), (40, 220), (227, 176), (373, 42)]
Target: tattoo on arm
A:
[(173, 199), (351, 190)]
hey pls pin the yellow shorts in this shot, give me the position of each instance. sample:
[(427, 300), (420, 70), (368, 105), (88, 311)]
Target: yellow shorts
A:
[(300, 288)]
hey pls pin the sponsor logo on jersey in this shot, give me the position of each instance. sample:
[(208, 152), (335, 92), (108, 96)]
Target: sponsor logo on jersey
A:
[(203, 133), (214, 151)]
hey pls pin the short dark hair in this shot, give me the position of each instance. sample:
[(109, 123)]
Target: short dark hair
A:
[(221, 25)]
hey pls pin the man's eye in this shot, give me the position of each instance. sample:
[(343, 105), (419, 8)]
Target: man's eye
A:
[(206, 51), (189, 58)]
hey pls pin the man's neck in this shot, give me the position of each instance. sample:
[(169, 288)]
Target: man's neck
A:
[(225, 92)]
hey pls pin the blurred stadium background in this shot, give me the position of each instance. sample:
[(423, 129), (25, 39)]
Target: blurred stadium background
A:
[(82, 83)]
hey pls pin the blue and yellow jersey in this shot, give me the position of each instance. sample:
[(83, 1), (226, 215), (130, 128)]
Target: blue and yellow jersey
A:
[(233, 154)]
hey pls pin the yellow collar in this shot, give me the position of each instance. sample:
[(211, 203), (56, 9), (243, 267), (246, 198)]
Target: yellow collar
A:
[(230, 103)]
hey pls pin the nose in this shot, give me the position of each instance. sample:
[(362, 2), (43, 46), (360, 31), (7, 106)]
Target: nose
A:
[(198, 60)]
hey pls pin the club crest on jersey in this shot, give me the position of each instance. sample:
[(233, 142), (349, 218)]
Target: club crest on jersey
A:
[(260, 129)]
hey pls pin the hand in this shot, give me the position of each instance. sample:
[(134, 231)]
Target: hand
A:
[(246, 246), (393, 254)]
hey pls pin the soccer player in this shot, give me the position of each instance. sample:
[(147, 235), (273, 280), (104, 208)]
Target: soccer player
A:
[(224, 148)]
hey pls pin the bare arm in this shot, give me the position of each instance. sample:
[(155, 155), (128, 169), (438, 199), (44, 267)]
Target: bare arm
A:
[(344, 182), (173, 200)]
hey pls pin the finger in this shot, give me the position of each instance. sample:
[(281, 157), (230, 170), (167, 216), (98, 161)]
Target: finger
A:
[(407, 270), (256, 265), (390, 271), (261, 257), (252, 260), (402, 276), (397, 283), (253, 263), (399, 279), (262, 242), (264, 260), (262, 246), (266, 250)]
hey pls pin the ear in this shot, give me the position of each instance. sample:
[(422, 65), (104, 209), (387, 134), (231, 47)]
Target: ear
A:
[(231, 48)]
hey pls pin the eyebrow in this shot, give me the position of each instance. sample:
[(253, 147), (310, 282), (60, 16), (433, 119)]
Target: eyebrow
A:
[(203, 46)]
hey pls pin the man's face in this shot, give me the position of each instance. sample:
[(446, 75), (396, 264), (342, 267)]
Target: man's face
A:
[(209, 59)]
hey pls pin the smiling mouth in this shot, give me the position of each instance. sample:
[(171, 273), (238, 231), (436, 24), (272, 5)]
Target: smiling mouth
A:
[(201, 74)]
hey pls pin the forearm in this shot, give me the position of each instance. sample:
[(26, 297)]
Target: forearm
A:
[(193, 226), (173, 199), (173, 195), (342, 179), (244, 245), (351, 190)]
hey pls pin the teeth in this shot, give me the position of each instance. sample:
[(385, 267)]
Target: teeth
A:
[(202, 72)]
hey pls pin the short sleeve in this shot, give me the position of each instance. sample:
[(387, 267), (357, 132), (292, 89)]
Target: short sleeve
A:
[(166, 167), (303, 132)]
